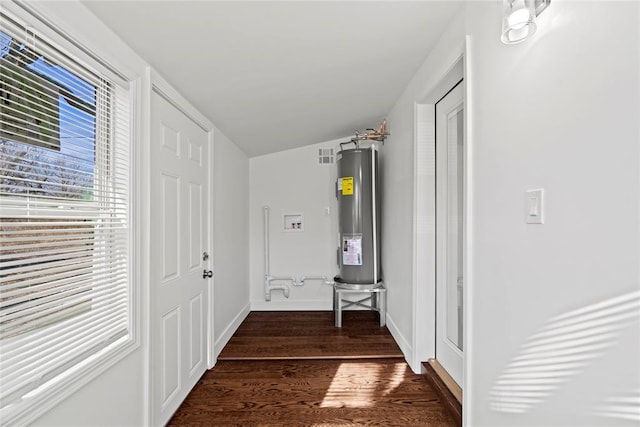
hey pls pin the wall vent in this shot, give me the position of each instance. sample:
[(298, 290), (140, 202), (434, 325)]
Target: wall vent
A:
[(325, 156)]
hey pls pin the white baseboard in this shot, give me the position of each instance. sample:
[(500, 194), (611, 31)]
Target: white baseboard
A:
[(228, 332), (292, 305), (404, 345)]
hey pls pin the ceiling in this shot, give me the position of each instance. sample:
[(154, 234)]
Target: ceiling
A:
[(275, 75)]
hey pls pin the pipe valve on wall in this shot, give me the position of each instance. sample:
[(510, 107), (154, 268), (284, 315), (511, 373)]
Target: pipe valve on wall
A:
[(269, 286)]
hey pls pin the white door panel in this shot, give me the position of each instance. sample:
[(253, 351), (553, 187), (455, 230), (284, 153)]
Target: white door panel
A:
[(195, 226), (179, 236), (170, 227), (196, 330), (170, 346), (450, 212)]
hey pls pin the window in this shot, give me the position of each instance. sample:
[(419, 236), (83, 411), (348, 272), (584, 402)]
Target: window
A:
[(65, 290)]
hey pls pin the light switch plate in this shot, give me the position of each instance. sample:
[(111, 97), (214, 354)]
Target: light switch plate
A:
[(534, 206)]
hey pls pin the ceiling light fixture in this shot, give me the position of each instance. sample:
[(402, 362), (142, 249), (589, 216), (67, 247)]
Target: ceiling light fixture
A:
[(519, 19)]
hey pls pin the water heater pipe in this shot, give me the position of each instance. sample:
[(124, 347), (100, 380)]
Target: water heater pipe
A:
[(320, 278), (268, 286), (266, 240)]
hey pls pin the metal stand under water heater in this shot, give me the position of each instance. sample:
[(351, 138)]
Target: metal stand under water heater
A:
[(359, 219)]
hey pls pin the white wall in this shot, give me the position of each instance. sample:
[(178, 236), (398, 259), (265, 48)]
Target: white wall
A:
[(113, 399), (560, 112), (292, 181), (231, 238)]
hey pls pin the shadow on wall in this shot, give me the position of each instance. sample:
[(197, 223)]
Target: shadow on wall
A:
[(563, 349)]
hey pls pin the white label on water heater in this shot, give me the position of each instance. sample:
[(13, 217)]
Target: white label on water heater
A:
[(352, 250)]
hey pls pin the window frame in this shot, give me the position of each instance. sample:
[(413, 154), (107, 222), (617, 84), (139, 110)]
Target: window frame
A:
[(54, 391)]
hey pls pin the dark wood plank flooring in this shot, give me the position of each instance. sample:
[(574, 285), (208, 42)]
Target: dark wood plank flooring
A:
[(284, 335), (373, 392), (276, 387), (447, 398)]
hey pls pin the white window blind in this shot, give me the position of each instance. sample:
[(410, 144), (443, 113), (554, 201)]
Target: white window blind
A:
[(64, 215)]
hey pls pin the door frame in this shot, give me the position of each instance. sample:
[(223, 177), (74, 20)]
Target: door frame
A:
[(424, 243), (154, 82), (447, 351), (425, 214)]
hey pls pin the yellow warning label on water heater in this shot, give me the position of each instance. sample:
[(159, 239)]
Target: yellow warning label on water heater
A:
[(347, 185)]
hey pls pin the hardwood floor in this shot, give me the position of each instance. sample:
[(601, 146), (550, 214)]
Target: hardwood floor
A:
[(448, 399), (325, 383), (287, 335), (374, 392)]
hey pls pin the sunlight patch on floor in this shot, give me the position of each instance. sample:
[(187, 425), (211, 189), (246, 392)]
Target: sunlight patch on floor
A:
[(357, 385), (396, 378)]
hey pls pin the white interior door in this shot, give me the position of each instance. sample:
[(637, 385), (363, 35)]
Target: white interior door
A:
[(450, 214), (179, 237)]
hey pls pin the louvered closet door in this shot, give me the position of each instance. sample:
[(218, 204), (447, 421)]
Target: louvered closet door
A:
[(179, 236)]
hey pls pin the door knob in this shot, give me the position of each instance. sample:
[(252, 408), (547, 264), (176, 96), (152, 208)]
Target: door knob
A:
[(207, 274)]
